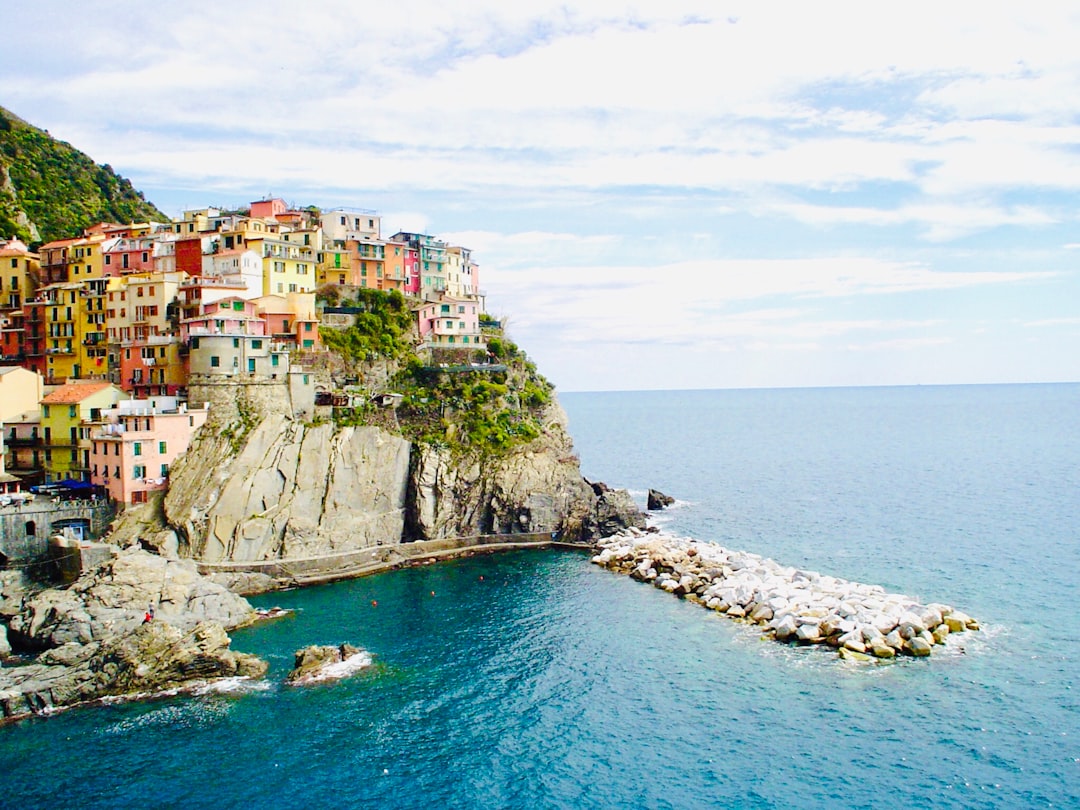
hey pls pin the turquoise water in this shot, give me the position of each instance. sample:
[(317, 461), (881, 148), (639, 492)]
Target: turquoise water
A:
[(533, 679)]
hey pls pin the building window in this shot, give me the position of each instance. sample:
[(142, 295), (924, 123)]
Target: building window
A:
[(71, 411), (138, 471), (215, 361), (164, 470), (137, 448), (162, 447), (256, 344), (31, 528)]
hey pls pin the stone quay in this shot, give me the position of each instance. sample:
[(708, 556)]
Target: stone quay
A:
[(863, 622)]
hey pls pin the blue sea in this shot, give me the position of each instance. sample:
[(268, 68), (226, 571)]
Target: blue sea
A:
[(536, 680)]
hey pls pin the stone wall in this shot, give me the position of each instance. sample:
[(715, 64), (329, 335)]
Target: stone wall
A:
[(16, 543)]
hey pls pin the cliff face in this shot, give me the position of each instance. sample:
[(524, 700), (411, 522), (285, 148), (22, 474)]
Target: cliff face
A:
[(292, 490)]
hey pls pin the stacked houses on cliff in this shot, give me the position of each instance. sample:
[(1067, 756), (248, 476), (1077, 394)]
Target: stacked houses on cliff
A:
[(114, 327)]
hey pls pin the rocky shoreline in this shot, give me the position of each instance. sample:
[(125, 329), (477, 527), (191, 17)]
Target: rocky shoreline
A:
[(864, 622), (94, 641)]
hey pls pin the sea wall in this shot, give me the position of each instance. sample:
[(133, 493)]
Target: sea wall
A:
[(789, 604)]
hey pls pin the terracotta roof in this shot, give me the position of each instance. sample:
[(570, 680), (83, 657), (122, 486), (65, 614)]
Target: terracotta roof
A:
[(71, 393)]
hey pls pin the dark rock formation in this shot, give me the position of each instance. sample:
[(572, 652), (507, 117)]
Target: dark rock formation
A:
[(658, 500), (112, 600)]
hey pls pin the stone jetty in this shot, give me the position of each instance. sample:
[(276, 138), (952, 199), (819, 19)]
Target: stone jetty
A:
[(863, 622)]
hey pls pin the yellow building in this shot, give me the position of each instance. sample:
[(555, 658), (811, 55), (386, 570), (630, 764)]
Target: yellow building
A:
[(66, 418), (63, 333), (20, 392), (19, 268), (287, 266), (144, 343), (334, 266), (86, 257)]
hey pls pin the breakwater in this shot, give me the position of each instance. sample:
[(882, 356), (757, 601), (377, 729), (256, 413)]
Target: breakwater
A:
[(790, 604)]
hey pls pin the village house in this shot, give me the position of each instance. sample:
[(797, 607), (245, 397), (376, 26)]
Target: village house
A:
[(136, 444), (66, 416)]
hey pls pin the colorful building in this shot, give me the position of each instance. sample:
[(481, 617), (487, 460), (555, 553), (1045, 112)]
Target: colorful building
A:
[(450, 323), (431, 261), (19, 271), (20, 394), (66, 416), (291, 319), (136, 444)]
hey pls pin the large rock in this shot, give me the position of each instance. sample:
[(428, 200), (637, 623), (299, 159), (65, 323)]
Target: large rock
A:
[(112, 600), (152, 658), (657, 500), (322, 663)]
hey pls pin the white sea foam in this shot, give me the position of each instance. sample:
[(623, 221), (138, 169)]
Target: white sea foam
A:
[(339, 669)]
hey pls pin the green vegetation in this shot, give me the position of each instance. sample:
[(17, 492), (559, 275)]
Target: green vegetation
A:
[(482, 411), (446, 402), (58, 188), (382, 328)]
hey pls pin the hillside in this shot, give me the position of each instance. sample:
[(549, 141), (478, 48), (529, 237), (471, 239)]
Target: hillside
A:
[(50, 190)]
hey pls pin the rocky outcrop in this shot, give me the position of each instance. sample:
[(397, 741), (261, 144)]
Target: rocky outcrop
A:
[(535, 489), (112, 601), (791, 605), (150, 659), (286, 490), (326, 663), (658, 500)]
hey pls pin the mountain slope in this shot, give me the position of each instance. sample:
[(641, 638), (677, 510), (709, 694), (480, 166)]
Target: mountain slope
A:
[(50, 190)]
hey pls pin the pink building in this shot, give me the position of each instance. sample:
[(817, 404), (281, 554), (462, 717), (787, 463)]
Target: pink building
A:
[(450, 323), (229, 316), (132, 452), (268, 209), (126, 256)]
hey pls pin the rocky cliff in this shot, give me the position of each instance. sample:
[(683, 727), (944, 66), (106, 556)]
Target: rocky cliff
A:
[(291, 490)]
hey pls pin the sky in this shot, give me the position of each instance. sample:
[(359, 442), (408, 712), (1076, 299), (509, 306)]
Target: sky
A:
[(660, 195)]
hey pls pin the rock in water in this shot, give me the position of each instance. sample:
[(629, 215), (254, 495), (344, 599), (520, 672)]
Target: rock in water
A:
[(323, 663), (658, 500)]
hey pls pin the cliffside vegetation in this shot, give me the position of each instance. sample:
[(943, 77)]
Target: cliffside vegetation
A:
[(471, 401), (50, 190), (382, 327)]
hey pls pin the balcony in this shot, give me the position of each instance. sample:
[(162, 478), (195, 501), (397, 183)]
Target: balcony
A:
[(24, 441)]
